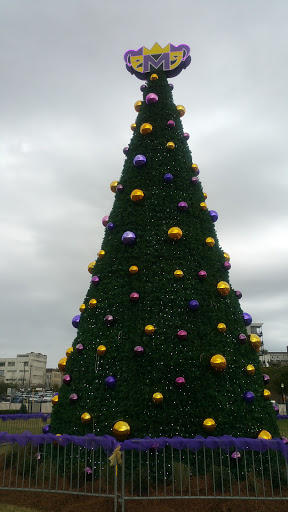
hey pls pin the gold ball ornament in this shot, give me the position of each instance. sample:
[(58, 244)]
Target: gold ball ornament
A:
[(178, 274), (205, 195), (137, 195), (250, 369), (121, 430), (113, 186), (223, 288), (194, 167), (137, 105), (210, 241), (133, 127), (146, 128), (209, 424), (101, 254), (170, 145), (133, 269), (157, 398), (85, 417), (226, 256), (55, 400), (153, 77), (203, 206), (93, 303), (175, 233), (62, 364), (69, 351), (55, 443), (264, 434), (255, 341), (101, 350), (149, 329), (218, 362), (91, 267), (82, 308), (267, 394), (221, 327), (181, 110)]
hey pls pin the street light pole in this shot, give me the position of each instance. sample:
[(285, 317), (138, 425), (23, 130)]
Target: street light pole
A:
[(282, 391)]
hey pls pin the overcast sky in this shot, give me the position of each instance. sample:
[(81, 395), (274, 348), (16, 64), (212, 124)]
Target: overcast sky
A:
[(66, 105)]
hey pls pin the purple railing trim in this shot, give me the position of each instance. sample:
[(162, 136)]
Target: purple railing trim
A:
[(25, 417), (282, 417), (109, 443)]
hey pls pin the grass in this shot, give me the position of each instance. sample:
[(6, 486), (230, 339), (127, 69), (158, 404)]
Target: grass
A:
[(13, 508), (283, 427), (18, 426)]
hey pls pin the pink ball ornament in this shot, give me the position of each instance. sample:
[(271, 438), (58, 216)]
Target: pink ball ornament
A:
[(134, 297), (151, 98), (139, 351), (238, 294), (171, 124), (226, 265), (180, 381), (119, 188), (182, 335), (105, 220), (126, 150), (202, 275), (182, 206), (73, 398), (194, 180), (186, 136), (79, 348), (109, 319), (95, 280), (67, 379), (242, 338)]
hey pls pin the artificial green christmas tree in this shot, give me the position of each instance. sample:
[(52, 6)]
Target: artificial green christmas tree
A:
[(161, 345)]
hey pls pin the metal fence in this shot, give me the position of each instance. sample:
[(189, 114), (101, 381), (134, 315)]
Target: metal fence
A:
[(232, 468)]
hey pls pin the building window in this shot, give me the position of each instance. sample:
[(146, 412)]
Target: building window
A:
[(2, 364), (26, 364), (1, 372), (10, 363)]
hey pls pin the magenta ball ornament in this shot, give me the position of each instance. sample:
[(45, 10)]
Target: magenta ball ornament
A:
[(128, 238), (168, 178), (202, 275), (186, 136), (247, 319), (226, 265), (109, 319), (119, 188), (126, 150), (248, 397), (73, 398), (242, 338), (79, 348), (46, 429), (139, 160), (236, 456), (182, 335), (105, 220), (151, 98), (171, 123), (134, 297), (171, 86), (180, 381), (213, 214), (194, 180), (182, 206), (88, 470), (66, 379), (238, 294), (276, 408), (110, 226), (266, 379), (95, 280), (76, 321), (193, 305), (110, 382), (138, 351)]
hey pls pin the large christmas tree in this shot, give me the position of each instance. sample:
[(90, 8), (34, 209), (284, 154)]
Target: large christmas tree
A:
[(161, 347)]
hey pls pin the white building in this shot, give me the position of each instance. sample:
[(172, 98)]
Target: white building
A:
[(53, 378), (25, 370)]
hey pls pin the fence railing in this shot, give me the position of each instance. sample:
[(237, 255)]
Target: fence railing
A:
[(162, 468)]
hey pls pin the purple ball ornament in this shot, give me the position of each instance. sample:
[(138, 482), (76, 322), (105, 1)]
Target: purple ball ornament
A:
[(213, 214), (138, 351), (110, 382), (76, 321), (119, 188), (88, 470), (168, 178), (194, 180), (109, 319), (143, 87), (276, 408), (110, 226), (171, 86), (134, 297), (105, 220), (285, 440), (79, 348), (247, 319), (249, 397), (236, 456), (128, 238), (180, 381), (196, 172), (171, 123), (226, 265), (73, 398), (202, 274), (266, 379), (139, 160), (242, 338), (238, 294), (186, 136), (66, 379), (151, 98), (182, 206), (126, 150), (46, 429), (182, 335), (95, 280), (193, 305)]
